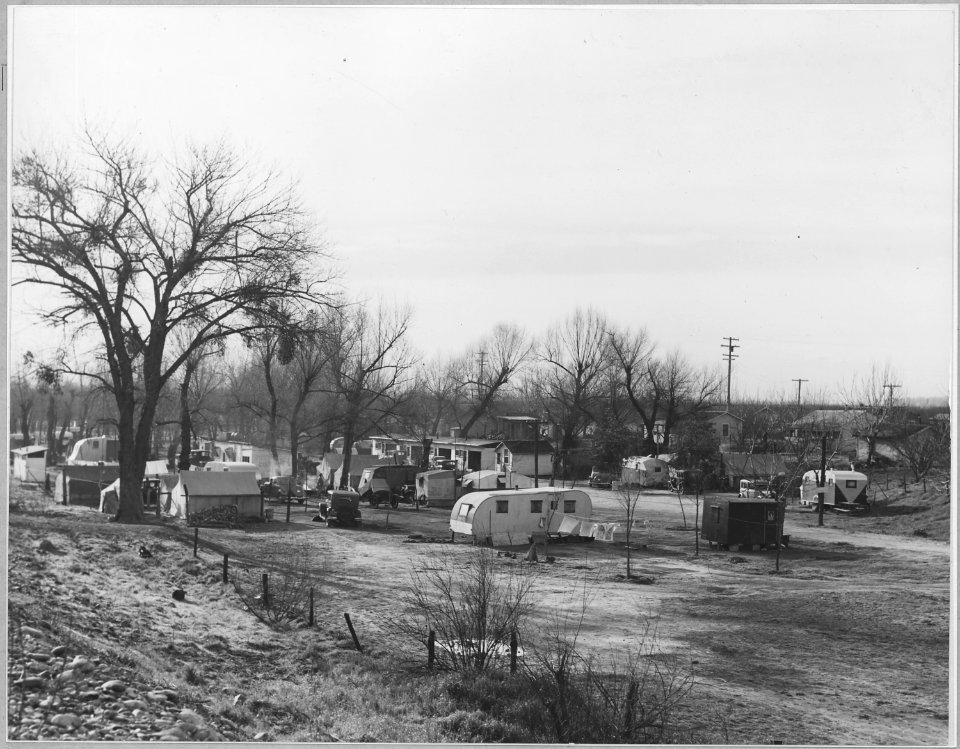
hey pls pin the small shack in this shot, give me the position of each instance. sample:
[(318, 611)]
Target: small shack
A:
[(511, 516), (30, 463), (200, 492), (840, 487), (742, 522), (645, 471), (437, 488)]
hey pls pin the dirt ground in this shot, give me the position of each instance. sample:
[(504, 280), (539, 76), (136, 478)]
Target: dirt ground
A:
[(847, 644)]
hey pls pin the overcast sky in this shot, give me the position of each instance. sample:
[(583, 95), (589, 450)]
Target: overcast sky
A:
[(782, 175)]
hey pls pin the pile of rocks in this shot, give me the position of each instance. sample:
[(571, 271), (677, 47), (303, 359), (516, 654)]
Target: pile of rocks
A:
[(56, 693)]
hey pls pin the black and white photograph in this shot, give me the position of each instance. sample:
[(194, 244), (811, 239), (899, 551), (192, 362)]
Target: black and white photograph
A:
[(453, 374)]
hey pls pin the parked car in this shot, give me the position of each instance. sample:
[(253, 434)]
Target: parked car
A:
[(341, 507), (754, 489), (600, 480), (279, 487), (388, 483)]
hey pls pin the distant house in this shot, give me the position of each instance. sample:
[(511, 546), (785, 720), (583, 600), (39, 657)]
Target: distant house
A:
[(736, 466), (470, 454), (233, 451), (841, 427), (526, 457), (726, 427)]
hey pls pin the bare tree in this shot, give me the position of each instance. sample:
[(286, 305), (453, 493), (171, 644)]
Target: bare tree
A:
[(877, 395), (369, 363), (501, 355), (925, 448), (628, 497), (23, 395), (134, 254), (572, 359)]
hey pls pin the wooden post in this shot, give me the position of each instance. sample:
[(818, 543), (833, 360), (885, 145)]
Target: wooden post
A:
[(288, 505), (310, 620), (822, 483), (513, 652), (226, 562), (353, 632), (266, 590), (196, 540), (431, 648)]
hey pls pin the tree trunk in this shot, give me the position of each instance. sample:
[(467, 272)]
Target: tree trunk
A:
[(294, 447), (186, 427), (130, 509), (52, 425)]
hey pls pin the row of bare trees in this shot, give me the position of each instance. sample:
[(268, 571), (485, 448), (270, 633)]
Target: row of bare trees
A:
[(196, 294)]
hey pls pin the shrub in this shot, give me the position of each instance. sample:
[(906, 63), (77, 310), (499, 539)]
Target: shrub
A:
[(473, 607)]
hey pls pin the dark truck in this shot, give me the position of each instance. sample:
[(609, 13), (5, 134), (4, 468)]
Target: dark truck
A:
[(389, 483)]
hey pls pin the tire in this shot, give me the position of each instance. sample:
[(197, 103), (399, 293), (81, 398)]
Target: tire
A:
[(378, 497), (423, 501), (394, 503)]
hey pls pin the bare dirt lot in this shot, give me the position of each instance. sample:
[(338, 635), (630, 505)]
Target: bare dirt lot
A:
[(847, 644)]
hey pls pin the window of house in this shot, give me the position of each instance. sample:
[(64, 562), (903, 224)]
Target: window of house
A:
[(502, 505), (536, 505), (244, 459), (851, 483), (726, 430), (569, 505)]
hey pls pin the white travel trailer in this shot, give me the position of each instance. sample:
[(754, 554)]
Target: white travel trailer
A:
[(840, 487), (93, 451), (511, 516), (226, 466)]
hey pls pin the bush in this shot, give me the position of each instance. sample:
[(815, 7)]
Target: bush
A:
[(473, 608)]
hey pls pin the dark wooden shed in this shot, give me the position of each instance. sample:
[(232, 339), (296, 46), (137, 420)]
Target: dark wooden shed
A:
[(742, 522)]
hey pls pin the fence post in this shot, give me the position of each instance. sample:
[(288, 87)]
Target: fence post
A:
[(311, 607), (353, 633), (266, 590), (431, 644), (196, 540), (226, 558), (288, 505), (513, 652)]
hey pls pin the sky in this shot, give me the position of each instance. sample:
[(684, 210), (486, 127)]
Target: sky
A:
[(784, 175)]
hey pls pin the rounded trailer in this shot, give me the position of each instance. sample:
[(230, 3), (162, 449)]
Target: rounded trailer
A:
[(843, 491), (510, 517)]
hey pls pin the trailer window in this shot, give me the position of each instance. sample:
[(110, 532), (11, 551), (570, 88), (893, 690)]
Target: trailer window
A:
[(536, 505), (502, 505), (851, 483), (464, 511), (569, 506), (553, 503), (656, 469)]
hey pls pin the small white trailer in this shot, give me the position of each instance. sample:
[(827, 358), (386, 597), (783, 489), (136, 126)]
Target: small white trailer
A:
[(841, 489), (511, 516)]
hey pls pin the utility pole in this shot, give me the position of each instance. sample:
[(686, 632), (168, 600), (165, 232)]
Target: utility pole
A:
[(729, 356), (799, 382), (890, 387)]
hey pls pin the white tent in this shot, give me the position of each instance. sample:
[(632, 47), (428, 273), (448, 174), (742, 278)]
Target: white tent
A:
[(197, 491)]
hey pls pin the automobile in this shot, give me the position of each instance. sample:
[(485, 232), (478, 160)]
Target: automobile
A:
[(388, 483), (279, 487), (600, 480), (341, 507), (751, 489)]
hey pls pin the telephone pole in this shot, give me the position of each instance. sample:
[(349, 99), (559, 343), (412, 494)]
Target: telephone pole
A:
[(799, 382), (729, 356), (890, 388)]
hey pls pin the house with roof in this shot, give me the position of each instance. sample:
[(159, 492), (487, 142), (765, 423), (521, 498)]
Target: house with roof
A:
[(527, 457), (841, 427), (762, 466), (726, 426)]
